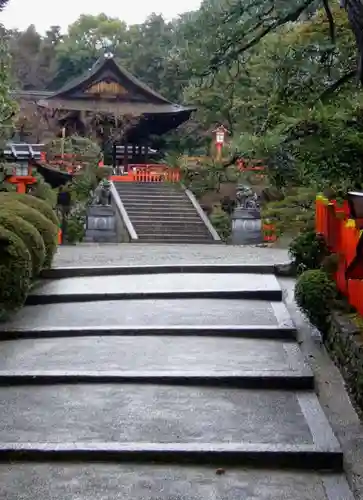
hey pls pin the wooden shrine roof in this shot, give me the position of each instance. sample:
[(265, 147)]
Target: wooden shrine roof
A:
[(107, 88)]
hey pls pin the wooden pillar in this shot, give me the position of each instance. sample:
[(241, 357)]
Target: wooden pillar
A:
[(146, 153), (21, 187), (126, 160), (114, 156)]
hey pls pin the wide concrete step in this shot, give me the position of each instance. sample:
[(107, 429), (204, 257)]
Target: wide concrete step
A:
[(234, 362), (176, 317), (164, 482), (182, 285), (158, 423)]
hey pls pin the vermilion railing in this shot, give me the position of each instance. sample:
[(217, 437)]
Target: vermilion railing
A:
[(148, 173), (342, 236)]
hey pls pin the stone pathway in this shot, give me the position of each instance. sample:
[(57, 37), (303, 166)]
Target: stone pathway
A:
[(143, 254), (168, 386)]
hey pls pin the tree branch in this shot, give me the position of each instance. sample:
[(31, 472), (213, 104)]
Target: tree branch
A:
[(330, 18), (334, 86), (218, 61)]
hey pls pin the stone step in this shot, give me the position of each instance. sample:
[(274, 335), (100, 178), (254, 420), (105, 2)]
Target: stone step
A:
[(161, 211), (258, 363), (164, 482), (183, 239), (170, 228), (163, 286), (154, 196), (146, 204), (187, 218), (168, 222), (156, 423), (111, 270), (147, 186), (195, 317)]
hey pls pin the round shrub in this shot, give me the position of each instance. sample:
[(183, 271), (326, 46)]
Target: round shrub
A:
[(308, 251), (47, 230), (29, 235), (315, 293), (33, 202), (15, 271)]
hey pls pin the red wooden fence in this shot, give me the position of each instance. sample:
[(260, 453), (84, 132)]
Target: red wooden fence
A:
[(341, 235)]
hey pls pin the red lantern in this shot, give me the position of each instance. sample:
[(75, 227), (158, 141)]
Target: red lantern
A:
[(220, 137)]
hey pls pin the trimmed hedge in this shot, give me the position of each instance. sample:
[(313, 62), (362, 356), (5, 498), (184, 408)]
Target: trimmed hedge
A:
[(28, 234), (47, 230), (15, 271), (315, 293), (31, 201)]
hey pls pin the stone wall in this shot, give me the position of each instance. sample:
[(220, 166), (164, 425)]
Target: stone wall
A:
[(345, 344)]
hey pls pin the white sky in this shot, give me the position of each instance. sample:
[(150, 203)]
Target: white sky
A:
[(44, 13)]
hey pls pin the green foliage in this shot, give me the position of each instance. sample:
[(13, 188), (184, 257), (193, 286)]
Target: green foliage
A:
[(315, 293), (47, 230), (222, 222), (309, 129), (76, 226), (82, 147), (308, 251), (7, 106), (44, 191), (15, 272), (207, 176), (33, 202), (29, 235), (293, 214)]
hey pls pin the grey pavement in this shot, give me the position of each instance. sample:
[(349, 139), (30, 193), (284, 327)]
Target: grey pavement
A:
[(143, 254), (203, 423), (140, 482)]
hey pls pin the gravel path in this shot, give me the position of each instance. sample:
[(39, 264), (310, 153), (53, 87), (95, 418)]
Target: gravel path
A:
[(143, 254)]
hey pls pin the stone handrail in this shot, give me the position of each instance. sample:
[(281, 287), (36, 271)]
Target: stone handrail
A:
[(123, 212), (203, 215)]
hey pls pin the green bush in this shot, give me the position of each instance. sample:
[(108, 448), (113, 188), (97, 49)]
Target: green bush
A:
[(222, 222), (29, 235), (33, 202), (293, 214), (47, 230), (308, 251), (43, 191), (76, 226), (15, 271), (315, 294)]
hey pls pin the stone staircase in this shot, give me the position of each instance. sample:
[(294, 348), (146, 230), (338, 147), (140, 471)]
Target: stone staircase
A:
[(163, 213), (183, 382)]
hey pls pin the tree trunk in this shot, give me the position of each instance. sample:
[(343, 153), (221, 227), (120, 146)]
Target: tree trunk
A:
[(354, 9)]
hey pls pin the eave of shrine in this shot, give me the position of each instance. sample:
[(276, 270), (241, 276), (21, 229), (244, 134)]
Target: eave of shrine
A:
[(110, 89)]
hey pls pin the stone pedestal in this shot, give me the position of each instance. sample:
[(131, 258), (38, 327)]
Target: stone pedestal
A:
[(246, 227), (101, 224)]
